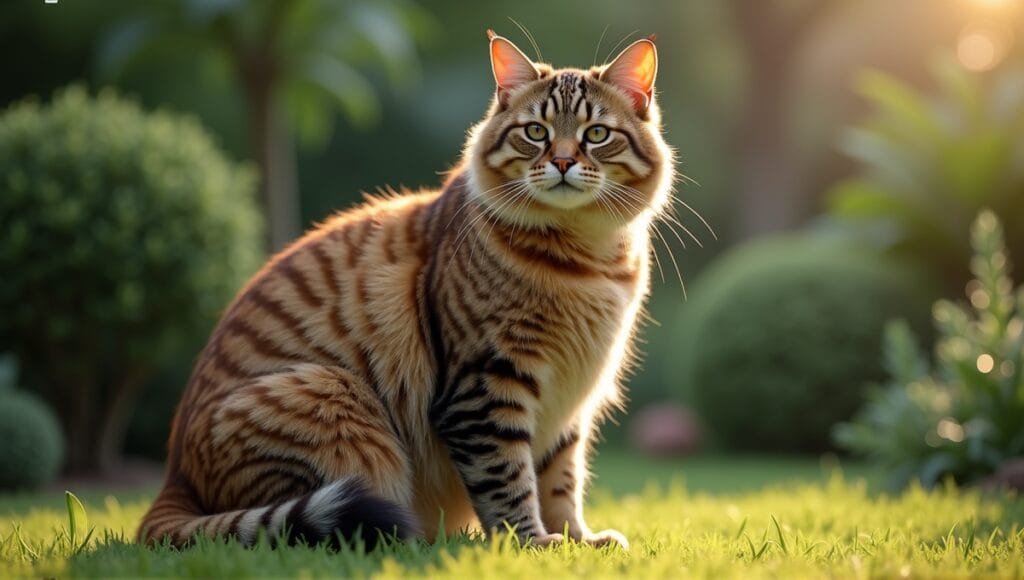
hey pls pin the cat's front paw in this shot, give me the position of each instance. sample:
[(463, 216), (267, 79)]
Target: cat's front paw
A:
[(607, 537), (545, 540)]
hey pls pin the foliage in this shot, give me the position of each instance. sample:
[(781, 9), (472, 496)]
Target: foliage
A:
[(313, 50), (296, 62), (929, 165), (122, 236), (832, 530), (966, 416), (781, 335), (31, 442)]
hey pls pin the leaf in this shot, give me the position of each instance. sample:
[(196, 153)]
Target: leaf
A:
[(860, 198), (312, 112), (78, 521), (974, 165), (904, 359), (890, 162), (350, 89), (25, 548), (959, 87), (899, 103), (389, 39)]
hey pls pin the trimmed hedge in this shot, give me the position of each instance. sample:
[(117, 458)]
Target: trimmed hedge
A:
[(781, 336), (31, 442), (123, 233)]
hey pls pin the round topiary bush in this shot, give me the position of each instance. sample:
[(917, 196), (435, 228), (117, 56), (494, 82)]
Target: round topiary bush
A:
[(31, 442), (122, 235), (782, 335)]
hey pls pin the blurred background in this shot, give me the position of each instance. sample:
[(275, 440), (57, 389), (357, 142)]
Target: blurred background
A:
[(153, 154)]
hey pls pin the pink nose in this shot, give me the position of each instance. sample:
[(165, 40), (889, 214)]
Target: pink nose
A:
[(563, 163)]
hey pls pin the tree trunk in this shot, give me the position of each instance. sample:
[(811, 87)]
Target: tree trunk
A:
[(74, 400), (770, 194), (94, 420), (272, 146), (115, 416)]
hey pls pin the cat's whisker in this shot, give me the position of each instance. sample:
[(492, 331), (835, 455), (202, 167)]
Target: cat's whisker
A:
[(668, 217), (687, 179), (618, 44), (672, 256), (654, 226), (494, 222), (675, 199), (471, 200), (529, 36), (700, 217), (654, 252), (501, 194), (518, 219), (485, 213), (599, 42)]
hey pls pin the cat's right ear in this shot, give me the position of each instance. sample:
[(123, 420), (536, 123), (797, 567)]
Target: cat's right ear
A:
[(512, 69)]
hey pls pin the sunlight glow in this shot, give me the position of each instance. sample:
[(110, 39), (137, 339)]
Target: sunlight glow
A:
[(976, 51), (994, 3), (950, 430), (985, 363)]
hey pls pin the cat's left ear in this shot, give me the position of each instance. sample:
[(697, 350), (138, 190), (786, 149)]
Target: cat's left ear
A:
[(512, 69), (633, 71)]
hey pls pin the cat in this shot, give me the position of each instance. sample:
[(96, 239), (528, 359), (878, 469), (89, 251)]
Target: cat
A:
[(441, 352)]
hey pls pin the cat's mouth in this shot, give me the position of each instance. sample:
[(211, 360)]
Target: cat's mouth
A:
[(563, 195), (565, 186)]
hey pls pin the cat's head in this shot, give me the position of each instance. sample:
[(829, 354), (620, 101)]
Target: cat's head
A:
[(569, 145)]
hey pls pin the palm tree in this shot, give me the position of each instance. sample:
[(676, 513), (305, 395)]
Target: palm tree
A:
[(296, 62)]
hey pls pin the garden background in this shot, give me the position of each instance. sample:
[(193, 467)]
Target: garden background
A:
[(823, 300)]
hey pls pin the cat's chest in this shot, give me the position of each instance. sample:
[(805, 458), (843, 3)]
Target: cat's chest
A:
[(567, 341)]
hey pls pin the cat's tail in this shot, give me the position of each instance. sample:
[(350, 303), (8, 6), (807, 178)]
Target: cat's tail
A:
[(344, 510)]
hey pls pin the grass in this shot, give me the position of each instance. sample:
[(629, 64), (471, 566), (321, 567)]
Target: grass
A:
[(722, 522)]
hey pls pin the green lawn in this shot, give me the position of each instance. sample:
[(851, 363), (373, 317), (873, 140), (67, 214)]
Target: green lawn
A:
[(734, 517)]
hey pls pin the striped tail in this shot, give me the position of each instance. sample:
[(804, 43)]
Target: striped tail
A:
[(344, 510)]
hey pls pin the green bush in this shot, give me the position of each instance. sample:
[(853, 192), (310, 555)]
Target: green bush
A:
[(31, 443), (965, 417), (929, 165), (781, 335), (122, 235)]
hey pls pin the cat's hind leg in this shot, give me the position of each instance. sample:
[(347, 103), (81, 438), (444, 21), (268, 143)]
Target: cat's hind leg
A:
[(309, 453)]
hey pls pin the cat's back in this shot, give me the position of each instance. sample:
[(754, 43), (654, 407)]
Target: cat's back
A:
[(339, 296)]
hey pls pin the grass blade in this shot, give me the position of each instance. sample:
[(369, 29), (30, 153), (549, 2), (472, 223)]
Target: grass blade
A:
[(78, 521)]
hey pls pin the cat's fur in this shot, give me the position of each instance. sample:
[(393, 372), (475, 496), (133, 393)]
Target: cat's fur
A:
[(438, 351)]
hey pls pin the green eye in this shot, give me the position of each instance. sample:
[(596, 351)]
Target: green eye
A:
[(596, 133), (536, 131)]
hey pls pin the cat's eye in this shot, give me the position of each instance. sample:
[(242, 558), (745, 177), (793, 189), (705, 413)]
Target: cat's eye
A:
[(596, 133), (536, 131)]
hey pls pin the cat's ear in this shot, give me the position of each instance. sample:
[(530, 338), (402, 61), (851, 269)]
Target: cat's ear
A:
[(512, 69), (633, 71)]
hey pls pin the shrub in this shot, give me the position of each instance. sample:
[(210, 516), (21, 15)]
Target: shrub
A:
[(122, 234), (31, 444), (965, 417), (781, 335), (928, 165)]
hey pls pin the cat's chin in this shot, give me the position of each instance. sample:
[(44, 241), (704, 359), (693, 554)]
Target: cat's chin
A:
[(563, 196)]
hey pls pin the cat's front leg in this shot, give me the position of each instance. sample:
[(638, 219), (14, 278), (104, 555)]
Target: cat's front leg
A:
[(561, 475), (486, 421)]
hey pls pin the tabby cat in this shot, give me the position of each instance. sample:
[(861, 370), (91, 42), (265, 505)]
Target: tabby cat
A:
[(441, 352)]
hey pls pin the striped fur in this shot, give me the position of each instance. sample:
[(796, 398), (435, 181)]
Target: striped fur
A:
[(442, 351)]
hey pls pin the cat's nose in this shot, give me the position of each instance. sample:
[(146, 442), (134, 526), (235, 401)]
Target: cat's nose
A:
[(563, 163)]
